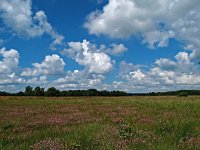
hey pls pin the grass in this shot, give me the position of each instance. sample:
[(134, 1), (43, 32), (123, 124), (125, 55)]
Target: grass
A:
[(100, 123)]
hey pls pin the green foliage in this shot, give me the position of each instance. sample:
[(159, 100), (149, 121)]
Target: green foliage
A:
[(183, 94), (29, 91), (125, 130), (20, 94), (8, 126), (52, 92), (74, 145), (39, 91)]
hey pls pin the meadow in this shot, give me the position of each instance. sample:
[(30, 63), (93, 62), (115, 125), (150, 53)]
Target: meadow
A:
[(100, 123)]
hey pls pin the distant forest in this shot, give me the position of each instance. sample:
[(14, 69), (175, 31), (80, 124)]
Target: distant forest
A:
[(51, 92)]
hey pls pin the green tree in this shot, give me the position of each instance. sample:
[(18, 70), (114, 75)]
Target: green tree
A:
[(92, 92), (52, 92), (20, 94), (29, 91), (39, 91)]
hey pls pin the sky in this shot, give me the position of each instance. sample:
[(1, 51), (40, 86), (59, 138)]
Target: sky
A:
[(130, 45)]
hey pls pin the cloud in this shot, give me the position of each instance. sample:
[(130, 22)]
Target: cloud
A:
[(136, 75), (87, 55), (157, 38), (183, 57), (126, 68), (118, 49), (79, 80), (15, 78), (11, 79), (155, 20), (123, 18), (18, 16), (176, 69), (41, 80), (165, 74), (10, 61), (47, 28), (113, 49), (9, 68), (52, 65), (15, 83), (188, 79), (166, 64)]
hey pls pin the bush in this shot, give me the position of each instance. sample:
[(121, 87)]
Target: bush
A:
[(183, 94)]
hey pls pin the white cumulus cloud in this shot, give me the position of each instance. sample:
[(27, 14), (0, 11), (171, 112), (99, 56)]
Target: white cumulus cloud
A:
[(18, 15), (52, 65), (10, 61), (165, 74), (79, 80), (114, 49), (155, 20), (86, 54)]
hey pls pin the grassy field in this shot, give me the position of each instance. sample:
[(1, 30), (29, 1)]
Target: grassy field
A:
[(100, 123)]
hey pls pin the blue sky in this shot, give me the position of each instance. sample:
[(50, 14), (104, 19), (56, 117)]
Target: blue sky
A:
[(129, 45)]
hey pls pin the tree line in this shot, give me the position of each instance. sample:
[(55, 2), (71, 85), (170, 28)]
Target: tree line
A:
[(53, 92), (169, 93)]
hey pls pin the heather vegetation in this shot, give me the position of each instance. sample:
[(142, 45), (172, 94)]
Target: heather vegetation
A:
[(130, 122)]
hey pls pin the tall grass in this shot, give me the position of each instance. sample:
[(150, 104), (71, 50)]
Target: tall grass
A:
[(100, 123)]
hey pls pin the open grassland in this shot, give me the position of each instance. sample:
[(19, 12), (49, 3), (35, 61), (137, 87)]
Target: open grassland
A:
[(100, 123)]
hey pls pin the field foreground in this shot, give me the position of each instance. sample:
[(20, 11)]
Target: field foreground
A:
[(100, 123)]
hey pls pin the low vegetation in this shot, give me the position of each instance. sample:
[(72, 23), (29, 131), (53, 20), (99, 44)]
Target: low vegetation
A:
[(53, 92), (158, 122)]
